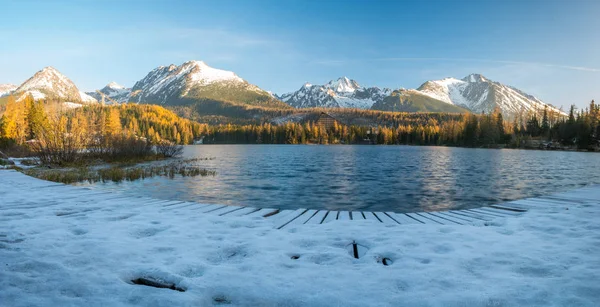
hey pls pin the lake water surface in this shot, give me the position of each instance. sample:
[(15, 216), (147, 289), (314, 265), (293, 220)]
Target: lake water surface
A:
[(373, 178)]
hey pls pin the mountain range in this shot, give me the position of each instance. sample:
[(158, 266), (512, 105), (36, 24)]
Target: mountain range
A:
[(340, 93), (194, 82), (473, 93)]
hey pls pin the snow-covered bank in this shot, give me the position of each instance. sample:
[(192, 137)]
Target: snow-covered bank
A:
[(61, 246)]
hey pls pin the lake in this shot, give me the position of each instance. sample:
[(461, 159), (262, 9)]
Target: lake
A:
[(370, 178)]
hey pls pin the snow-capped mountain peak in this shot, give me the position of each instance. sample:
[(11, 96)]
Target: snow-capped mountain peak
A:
[(343, 85), (114, 91), (199, 72), (474, 78), (340, 93), (115, 86), (50, 83), (480, 94), (6, 89), (186, 81)]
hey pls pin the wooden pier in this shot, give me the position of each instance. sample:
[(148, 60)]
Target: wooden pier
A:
[(281, 219)]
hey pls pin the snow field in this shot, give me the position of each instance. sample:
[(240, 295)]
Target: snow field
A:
[(67, 246)]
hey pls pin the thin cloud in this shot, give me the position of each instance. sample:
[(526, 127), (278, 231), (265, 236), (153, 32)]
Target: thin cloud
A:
[(415, 59)]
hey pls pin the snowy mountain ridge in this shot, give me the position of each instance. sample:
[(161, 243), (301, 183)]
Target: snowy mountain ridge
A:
[(474, 92), (340, 93)]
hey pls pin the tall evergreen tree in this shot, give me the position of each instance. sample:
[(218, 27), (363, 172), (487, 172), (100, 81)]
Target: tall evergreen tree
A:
[(545, 128)]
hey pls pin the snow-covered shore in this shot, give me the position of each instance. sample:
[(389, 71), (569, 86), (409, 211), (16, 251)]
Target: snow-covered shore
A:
[(61, 247)]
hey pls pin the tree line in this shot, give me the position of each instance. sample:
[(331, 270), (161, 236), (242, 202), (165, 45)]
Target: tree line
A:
[(26, 120), (35, 120), (580, 129)]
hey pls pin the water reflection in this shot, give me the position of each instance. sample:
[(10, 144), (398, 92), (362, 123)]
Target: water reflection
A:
[(374, 178)]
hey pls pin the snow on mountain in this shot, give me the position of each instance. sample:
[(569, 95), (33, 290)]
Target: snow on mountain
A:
[(114, 91), (50, 83), (166, 83), (340, 93), (479, 94), (87, 98), (6, 89)]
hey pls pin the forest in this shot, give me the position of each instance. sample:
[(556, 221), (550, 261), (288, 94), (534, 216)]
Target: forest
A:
[(578, 129), (39, 122)]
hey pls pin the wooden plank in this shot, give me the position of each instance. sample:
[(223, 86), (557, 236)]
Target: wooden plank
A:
[(405, 219), (158, 203), (420, 219), (270, 213), (83, 194), (188, 204), (121, 196), (500, 211), (173, 203), (523, 205), (331, 216), (480, 217), (509, 208), (445, 219), (166, 205), (230, 211), (222, 210), (434, 218), (461, 218), (244, 211), (344, 216), (317, 218), (200, 206), (486, 213), (211, 208), (290, 218), (369, 216), (300, 220), (384, 218), (392, 216), (356, 215), (274, 215), (423, 219)]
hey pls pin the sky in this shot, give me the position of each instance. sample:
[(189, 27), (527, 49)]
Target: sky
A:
[(547, 48)]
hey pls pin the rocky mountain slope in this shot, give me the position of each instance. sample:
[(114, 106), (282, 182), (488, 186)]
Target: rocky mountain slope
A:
[(340, 93), (404, 100)]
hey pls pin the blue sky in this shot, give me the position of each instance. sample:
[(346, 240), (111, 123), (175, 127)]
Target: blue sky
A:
[(550, 49)]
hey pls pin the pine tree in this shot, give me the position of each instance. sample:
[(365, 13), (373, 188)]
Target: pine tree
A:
[(8, 129), (113, 122), (36, 118), (545, 128)]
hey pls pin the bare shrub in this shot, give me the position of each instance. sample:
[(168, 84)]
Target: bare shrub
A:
[(59, 142), (123, 147), (168, 149)]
